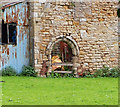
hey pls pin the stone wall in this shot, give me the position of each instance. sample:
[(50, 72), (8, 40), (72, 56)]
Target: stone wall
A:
[(92, 25)]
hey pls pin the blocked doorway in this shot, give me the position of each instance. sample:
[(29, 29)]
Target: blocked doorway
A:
[(62, 57), (63, 54)]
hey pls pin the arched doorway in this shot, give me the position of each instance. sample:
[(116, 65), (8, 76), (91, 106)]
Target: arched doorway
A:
[(62, 57), (62, 53)]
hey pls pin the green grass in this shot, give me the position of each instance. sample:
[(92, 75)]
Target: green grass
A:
[(62, 91)]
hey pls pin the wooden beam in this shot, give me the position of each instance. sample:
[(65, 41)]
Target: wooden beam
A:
[(62, 64)]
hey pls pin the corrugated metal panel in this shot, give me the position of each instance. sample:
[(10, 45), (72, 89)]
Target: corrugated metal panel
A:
[(23, 47), (8, 56), (17, 13), (10, 3), (17, 56)]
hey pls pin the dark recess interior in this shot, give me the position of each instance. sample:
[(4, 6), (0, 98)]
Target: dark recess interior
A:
[(4, 33), (8, 33)]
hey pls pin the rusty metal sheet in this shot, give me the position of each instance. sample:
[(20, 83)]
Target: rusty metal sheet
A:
[(8, 4), (18, 13), (16, 56), (23, 46)]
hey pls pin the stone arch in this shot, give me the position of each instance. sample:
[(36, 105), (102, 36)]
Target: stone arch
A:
[(68, 39)]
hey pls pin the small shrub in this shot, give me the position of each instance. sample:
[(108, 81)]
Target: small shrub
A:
[(58, 75), (103, 72), (66, 68), (115, 72), (71, 75), (8, 71), (89, 75), (28, 71), (52, 75), (106, 72)]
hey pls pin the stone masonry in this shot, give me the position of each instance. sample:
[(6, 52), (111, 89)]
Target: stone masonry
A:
[(91, 28)]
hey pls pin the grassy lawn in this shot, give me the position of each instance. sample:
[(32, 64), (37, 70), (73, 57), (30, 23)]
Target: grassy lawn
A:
[(62, 91)]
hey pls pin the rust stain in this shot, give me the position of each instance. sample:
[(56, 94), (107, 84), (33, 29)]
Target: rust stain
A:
[(27, 11), (12, 13), (2, 50), (24, 18), (15, 54), (3, 62), (17, 13), (22, 37), (7, 51), (6, 18)]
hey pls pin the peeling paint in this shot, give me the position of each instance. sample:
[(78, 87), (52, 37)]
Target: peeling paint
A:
[(17, 13), (16, 56)]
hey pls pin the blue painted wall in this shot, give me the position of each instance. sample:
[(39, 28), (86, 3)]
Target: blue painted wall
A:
[(16, 56)]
